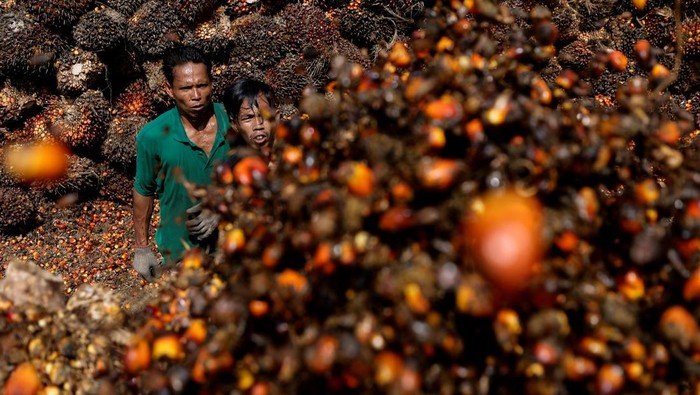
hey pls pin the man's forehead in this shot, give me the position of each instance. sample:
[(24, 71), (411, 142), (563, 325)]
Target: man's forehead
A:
[(188, 70), (259, 99)]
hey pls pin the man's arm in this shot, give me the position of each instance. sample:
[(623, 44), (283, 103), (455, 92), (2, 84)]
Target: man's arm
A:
[(142, 213)]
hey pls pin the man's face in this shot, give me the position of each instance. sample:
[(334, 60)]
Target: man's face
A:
[(255, 123), (191, 89)]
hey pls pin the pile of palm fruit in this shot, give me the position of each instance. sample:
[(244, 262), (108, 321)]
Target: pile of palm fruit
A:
[(504, 199)]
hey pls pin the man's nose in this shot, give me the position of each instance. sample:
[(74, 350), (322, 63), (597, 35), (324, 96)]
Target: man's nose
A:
[(196, 94), (259, 119)]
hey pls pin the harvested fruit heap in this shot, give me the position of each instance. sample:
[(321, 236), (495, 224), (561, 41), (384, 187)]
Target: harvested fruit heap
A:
[(467, 216)]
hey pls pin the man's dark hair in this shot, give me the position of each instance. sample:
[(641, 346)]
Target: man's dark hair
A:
[(246, 89), (183, 54)]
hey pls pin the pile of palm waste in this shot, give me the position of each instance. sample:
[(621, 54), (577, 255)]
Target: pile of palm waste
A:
[(473, 214)]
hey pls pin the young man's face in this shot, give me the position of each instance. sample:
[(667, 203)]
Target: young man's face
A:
[(254, 123), (191, 88)]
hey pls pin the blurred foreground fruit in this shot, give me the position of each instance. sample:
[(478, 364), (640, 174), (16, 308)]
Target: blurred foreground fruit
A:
[(40, 161), (504, 232)]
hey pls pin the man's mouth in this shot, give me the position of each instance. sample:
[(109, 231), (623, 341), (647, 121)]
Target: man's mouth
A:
[(260, 139)]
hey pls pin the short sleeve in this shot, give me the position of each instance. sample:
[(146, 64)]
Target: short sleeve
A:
[(146, 165)]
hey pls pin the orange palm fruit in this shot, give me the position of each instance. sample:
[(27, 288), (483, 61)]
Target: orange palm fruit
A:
[(504, 233), (24, 380)]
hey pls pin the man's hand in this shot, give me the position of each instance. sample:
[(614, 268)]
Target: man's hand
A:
[(203, 222), (146, 263)]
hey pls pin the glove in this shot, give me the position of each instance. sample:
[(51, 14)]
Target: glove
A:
[(146, 263), (203, 221)]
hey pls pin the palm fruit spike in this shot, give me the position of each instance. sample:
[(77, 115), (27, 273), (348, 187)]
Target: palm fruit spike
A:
[(690, 29), (80, 124), (155, 79), (365, 28)]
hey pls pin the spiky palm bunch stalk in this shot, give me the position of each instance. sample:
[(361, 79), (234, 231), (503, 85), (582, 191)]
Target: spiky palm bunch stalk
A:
[(126, 7), (307, 26), (102, 29), (289, 78), (213, 36), (136, 99), (154, 28), (81, 177), (57, 14), (19, 209), (192, 11), (257, 39), (224, 76), (27, 48), (119, 146)]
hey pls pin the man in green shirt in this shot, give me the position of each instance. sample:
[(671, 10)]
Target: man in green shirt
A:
[(182, 144)]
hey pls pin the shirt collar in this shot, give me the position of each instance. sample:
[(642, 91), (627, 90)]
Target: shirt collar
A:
[(179, 131)]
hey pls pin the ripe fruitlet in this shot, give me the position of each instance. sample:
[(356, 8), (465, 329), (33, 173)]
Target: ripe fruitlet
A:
[(258, 308), (617, 60), (396, 218), (639, 4), (505, 236), (359, 178), (678, 324), (233, 241), (197, 331), (444, 108), (631, 285), (388, 367), (169, 347), (193, 258), (292, 155), (399, 55), (438, 174), (250, 169), (24, 380), (137, 357), (292, 279)]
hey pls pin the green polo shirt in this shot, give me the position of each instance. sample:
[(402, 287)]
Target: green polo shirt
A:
[(165, 157)]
